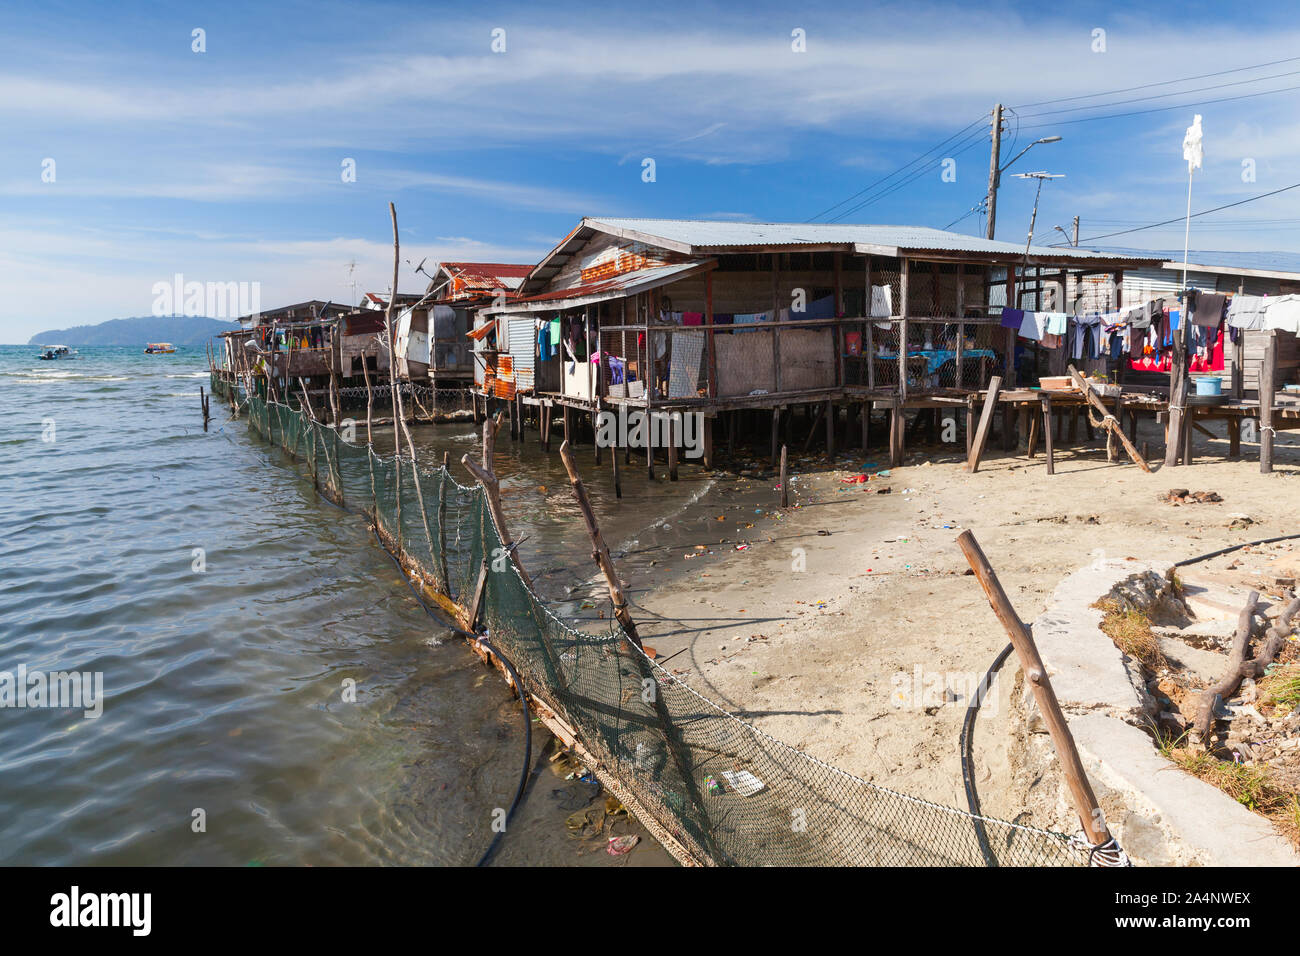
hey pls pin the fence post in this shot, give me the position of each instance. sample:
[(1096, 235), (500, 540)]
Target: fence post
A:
[(1085, 802)]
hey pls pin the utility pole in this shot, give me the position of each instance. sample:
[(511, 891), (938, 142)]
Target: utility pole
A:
[(1076, 232), (995, 157)]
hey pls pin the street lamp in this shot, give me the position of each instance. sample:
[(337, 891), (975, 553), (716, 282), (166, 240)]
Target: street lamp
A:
[(1040, 176), (996, 171)]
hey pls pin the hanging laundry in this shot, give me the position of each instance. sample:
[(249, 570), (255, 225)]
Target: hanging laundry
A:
[(1208, 309), (1034, 326), (823, 308), (692, 318), (1012, 318), (1246, 312), (882, 301), (544, 342), (1283, 312)]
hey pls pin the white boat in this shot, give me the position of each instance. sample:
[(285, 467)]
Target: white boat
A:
[(53, 352)]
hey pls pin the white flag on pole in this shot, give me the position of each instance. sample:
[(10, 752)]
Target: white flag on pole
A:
[(1192, 151)]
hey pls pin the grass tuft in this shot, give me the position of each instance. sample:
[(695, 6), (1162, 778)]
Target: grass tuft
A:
[(1132, 634)]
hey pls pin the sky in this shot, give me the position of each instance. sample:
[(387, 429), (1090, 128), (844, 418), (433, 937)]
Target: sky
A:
[(133, 149)]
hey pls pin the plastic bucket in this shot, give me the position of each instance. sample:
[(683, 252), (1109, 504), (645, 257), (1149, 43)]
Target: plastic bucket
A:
[(1209, 385)]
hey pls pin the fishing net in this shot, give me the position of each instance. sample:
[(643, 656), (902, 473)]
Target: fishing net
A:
[(724, 790)]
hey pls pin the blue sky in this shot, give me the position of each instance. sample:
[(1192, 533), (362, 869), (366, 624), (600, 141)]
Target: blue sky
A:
[(225, 165)]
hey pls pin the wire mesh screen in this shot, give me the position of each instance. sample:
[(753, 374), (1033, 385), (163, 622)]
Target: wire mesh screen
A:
[(727, 792)]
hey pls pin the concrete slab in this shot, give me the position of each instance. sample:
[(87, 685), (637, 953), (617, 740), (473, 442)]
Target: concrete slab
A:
[(1087, 670), (1163, 816)]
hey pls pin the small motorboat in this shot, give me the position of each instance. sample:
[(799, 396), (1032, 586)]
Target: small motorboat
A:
[(159, 348), (53, 352)]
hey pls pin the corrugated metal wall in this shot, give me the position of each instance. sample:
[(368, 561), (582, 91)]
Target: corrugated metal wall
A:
[(523, 346)]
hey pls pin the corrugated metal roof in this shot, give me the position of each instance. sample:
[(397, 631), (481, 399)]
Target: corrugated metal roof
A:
[(614, 287), (703, 236), (1226, 261)]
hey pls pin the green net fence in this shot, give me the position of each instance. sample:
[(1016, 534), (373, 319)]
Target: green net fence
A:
[(727, 792)]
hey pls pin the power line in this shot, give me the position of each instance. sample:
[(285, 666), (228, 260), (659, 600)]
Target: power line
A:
[(1161, 96), (900, 169), (1147, 86), (965, 146), (1168, 222), (1162, 109)]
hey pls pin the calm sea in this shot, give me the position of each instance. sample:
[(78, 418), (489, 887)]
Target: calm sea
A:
[(224, 737)]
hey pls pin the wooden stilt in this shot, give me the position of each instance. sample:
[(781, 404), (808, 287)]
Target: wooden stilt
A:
[(1047, 435), (674, 431), (785, 480), (776, 428), (1032, 444), (830, 412)]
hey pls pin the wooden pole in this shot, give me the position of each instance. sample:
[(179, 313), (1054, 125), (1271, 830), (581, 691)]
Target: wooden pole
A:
[(785, 480), (1047, 435), (986, 423), (1081, 795), (442, 518), (390, 336), (1266, 373), (370, 402), (599, 552), (1108, 420), (492, 494)]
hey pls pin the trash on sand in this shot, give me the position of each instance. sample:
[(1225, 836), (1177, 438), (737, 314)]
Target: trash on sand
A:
[(743, 782), (855, 479), (621, 845)]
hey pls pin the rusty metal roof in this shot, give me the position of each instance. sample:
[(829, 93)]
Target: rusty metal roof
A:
[(615, 287), (488, 275)]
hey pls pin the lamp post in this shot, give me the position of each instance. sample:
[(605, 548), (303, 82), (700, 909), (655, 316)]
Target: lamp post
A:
[(996, 170)]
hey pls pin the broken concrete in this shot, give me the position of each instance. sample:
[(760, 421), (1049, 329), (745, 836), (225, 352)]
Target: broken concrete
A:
[(1088, 672), (1162, 816)]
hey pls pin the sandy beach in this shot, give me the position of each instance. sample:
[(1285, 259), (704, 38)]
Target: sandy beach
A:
[(848, 627)]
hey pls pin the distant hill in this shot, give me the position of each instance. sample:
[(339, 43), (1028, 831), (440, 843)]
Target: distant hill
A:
[(180, 330)]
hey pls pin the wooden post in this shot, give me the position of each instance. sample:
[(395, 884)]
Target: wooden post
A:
[(776, 317), (492, 495), (1266, 386), (776, 429), (896, 435), (442, 517), (902, 331), (986, 423), (370, 403), (707, 425), (785, 480), (673, 738), (830, 429), (1081, 795), (618, 474), (961, 325), (1047, 434), (711, 386), (599, 552), (673, 420), (1108, 420)]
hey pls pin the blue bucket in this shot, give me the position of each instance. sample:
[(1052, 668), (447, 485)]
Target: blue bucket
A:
[(1209, 385)]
